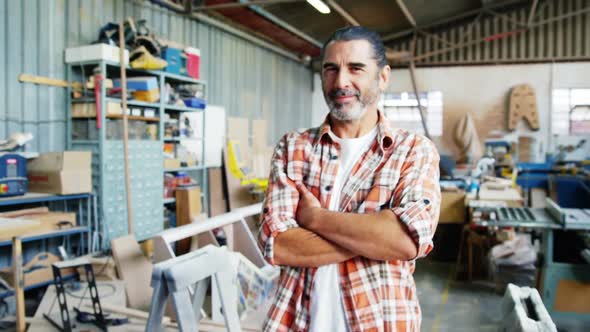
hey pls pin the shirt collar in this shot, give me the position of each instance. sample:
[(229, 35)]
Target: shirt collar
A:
[(384, 134)]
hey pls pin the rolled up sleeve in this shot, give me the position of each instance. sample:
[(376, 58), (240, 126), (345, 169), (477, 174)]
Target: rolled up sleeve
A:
[(416, 198), (280, 203)]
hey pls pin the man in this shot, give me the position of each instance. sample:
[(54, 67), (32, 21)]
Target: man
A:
[(350, 205)]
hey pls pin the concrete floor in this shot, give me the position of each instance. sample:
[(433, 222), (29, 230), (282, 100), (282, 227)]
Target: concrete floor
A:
[(449, 305)]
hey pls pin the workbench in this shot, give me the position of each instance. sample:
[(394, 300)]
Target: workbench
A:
[(557, 276)]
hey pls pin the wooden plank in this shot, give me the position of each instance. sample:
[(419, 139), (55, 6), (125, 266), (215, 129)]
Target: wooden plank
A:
[(259, 134), (129, 312), (188, 206), (134, 269), (19, 281), (42, 80), (24, 212), (217, 193), (134, 117)]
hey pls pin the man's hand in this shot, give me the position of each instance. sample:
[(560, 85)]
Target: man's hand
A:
[(307, 208)]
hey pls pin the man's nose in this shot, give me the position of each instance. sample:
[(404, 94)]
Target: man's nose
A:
[(342, 80)]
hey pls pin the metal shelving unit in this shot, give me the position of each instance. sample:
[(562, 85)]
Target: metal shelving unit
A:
[(85, 219), (201, 170), (145, 156)]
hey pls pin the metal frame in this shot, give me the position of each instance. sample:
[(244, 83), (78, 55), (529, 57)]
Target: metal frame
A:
[(163, 241), (515, 27), (345, 14), (286, 26), (238, 4), (243, 240), (406, 12), (476, 12), (91, 220), (226, 28), (177, 277), (548, 220), (162, 77)]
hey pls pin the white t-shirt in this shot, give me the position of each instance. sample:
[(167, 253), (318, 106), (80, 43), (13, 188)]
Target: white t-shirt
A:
[(327, 308)]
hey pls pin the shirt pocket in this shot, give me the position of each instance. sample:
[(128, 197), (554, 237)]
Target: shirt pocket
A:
[(376, 195)]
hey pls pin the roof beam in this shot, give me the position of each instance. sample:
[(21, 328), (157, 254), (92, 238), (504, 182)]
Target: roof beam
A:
[(351, 20), (502, 34), (435, 37), (240, 4), (474, 12), (532, 12), (258, 10), (517, 23), (406, 12)]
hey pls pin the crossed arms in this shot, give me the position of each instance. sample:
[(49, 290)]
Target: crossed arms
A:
[(327, 237)]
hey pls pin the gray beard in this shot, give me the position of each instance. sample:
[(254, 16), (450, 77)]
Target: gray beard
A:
[(356, 111)]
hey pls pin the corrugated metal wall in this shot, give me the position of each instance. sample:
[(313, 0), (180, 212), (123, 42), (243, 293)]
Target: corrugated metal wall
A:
[(560, 40), (247, 80)]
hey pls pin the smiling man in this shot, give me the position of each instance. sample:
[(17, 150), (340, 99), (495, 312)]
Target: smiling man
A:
[(350, 205)]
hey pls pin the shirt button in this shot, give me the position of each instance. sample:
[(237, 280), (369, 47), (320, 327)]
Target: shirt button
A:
[(265, 210), (328, 188), (426, 201), (333, 157), (305, 178)]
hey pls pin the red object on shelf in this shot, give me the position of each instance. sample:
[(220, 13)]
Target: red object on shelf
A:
[(193, 62)]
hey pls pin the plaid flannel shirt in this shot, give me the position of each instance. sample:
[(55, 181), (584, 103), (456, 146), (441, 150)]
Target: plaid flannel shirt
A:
[(399, 172)]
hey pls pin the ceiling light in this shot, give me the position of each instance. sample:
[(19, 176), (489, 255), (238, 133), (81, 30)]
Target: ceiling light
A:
[(320, 6)]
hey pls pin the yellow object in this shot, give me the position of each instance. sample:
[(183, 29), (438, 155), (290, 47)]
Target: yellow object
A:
[(239, 169), (149, 96), (142, 59)]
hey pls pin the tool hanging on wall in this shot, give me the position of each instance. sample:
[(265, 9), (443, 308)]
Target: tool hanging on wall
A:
[(523, 105), (42, 80)]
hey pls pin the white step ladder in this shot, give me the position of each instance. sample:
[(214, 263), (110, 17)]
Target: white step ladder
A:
[(179, 276)]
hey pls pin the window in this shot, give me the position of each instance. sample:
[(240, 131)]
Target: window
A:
[(570, 114), (402, 110)]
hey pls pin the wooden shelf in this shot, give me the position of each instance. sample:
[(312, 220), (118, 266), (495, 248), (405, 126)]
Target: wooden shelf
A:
[(134, 117), (182, 108)]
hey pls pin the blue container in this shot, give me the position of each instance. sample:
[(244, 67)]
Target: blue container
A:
[(572, 192), (146, 83), (172, 56), (195, 102)]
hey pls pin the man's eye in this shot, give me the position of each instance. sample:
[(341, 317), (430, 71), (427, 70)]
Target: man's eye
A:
[(356, 68)]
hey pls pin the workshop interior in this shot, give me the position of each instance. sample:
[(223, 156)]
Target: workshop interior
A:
[(136, 140)]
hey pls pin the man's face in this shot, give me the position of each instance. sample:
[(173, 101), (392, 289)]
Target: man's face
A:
[(351, 79)]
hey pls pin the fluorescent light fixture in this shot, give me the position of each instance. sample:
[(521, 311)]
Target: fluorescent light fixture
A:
[(320, 6)]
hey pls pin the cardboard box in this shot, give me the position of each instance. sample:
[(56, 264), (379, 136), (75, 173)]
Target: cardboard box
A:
[(452, 207), (95, 52), (37, 270), (511, 196), (35, 223), (171, 163), (63, 173), (88, 110)]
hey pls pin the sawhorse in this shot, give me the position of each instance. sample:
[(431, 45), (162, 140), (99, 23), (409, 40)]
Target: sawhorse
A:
[(176, 278)]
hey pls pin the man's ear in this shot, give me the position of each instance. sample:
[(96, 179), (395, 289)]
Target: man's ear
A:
[(384, 77)]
